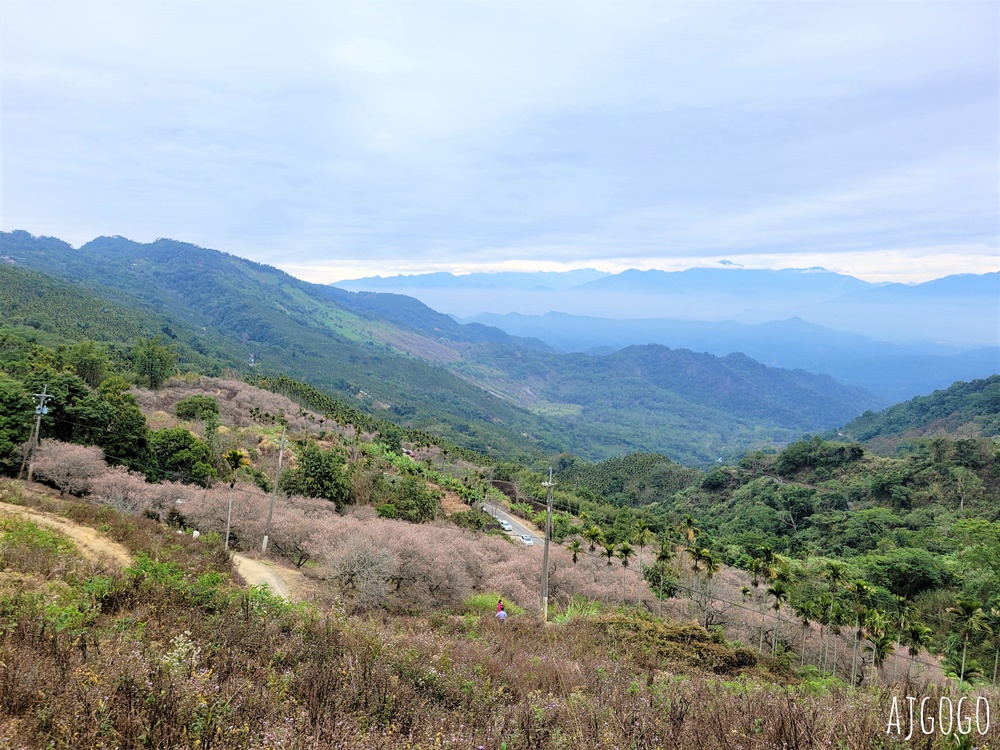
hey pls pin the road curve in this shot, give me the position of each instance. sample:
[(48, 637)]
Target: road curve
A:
[(256, 572), (519, 526)]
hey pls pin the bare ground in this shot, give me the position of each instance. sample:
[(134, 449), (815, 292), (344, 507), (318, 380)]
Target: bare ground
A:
[(93, 545)]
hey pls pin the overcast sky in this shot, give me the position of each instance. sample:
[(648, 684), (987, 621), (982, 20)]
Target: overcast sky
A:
[(345, 139)]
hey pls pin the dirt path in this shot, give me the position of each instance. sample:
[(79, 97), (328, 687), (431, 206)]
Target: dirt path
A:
[(286, 583), (91, 543), (256, 572)]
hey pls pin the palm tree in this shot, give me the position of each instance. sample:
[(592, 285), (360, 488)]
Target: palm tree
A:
[(837, 619), (593, 535), (697, 555), (624, 553), (779, 591), (575, 548), (876, 624), (993, 621), (900, 621), (641, 536), (689, 528), (835, 573), (880, 648), (807, 612), (664, 555), (916, 637), (712, 565), (235, 460), (862, 594), (969, 618), (822, 615), (608, 551)]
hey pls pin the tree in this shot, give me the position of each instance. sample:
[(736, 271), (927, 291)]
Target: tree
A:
[(112, 419), (234, 460), (862, 596), (993, 620), (779, 591), (807, 613), (880, 645), (608, 551), (916, 637), (317, 473), (121, 489), (690, 528), (593, 536), (969, 619), (90, 362), (71, 468), (16, 414), (198, 406), (575, 548), (414, 501), (624, 553), (641, 536), (179, 455), (154, 361)]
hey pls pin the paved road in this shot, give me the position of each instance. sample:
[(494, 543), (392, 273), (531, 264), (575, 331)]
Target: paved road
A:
[(520, 527)]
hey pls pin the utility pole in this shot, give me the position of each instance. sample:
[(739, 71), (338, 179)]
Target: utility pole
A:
[(545, 553), (41, 409), (277, 476), (229, 518)]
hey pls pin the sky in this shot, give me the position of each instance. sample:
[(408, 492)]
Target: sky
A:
[(338, 140)]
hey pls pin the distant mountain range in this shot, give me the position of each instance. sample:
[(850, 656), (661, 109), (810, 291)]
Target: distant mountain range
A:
[(895, 372), (961, 310), (393, 356)]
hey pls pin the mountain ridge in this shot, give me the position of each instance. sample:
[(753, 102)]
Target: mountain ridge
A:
[(476, 386)]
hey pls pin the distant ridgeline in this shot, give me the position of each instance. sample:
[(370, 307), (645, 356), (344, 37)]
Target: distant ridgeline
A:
[(397, 360)]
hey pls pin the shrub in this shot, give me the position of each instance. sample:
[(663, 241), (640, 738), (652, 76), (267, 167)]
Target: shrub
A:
[(197, 407)]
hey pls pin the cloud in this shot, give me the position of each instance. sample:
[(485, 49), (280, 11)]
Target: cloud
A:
[(435, 135)]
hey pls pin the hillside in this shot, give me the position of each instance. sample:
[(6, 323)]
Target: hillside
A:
[(656, 569), (169, 651), (964, 410), (474, 385)]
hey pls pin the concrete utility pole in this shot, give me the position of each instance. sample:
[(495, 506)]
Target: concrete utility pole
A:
[(545, 553), (229, 518), (277, 476), (41, 409)]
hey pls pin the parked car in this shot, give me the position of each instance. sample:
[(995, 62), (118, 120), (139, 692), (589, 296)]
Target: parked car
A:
[(527, 541), (505, 525)]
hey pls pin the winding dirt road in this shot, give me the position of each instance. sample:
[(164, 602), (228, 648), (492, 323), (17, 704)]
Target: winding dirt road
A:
[(256, 572), (93, 545)]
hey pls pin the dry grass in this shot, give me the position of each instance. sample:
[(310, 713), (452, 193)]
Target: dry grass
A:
[(166, 654)]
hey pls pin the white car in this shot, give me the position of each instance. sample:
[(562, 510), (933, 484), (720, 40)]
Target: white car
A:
[(527, 541), (505, 525)]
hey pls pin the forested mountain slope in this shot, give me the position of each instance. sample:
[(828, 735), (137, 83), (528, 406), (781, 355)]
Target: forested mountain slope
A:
[(964, 410), (475, 385)]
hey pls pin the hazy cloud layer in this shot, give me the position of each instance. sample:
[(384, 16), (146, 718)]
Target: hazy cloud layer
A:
[(346, 139)]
